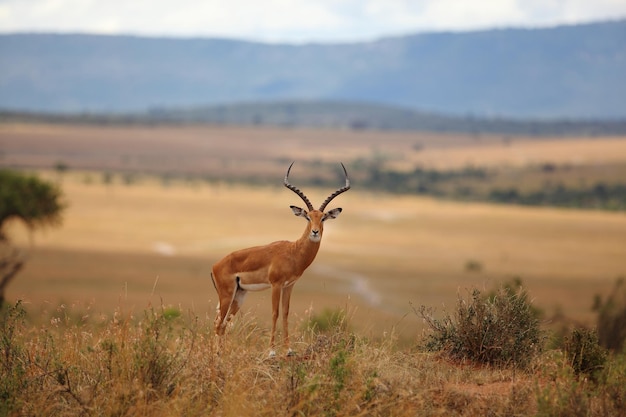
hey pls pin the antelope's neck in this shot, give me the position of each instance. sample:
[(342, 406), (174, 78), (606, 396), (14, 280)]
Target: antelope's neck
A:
[(306, 249)]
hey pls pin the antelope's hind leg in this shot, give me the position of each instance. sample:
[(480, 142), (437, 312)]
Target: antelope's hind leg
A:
[(227, 301), (236, 303)]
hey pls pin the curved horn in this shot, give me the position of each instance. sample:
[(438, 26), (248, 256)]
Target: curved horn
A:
[(339, 191), (296, 190)]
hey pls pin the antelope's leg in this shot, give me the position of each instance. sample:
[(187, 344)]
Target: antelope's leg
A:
[(276, 292), (285, 305), (227, 297), (237, 303)]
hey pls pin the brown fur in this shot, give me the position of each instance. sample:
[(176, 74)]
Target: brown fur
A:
[(278, 265)]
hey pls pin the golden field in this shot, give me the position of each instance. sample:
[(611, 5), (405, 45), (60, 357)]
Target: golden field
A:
[(151, 241)]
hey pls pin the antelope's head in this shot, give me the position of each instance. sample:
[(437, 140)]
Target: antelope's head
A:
[(316, 218)]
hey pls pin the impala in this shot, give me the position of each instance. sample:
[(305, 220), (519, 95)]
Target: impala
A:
[(277, 265)]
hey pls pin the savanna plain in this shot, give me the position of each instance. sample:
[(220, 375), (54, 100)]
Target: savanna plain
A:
[(117, 304)]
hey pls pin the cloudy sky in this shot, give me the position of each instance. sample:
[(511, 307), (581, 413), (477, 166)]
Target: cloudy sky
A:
[(294, 21)]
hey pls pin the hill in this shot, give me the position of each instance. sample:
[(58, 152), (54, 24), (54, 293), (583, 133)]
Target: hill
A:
[(561, 72), (330, 115)]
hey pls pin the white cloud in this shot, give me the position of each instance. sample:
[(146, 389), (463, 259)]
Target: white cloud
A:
[(551, 12), (466, 15), (294, 20)]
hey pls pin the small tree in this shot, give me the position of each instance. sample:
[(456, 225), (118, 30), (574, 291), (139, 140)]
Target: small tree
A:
[(34, 202)]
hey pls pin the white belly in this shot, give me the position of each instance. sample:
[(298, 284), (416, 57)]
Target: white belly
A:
[(254, 287)]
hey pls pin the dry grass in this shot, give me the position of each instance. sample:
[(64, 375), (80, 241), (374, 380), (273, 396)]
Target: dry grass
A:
[(157, 366), (163, 362), (520, 152), (230, 151)]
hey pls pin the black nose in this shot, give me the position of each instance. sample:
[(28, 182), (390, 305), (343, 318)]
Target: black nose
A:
[(315, 231)]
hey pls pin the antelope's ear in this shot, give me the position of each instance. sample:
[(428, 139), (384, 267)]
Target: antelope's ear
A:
[(332, 214), (299, 212)]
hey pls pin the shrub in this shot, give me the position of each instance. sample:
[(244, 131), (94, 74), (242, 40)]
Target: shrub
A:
[(473, 265), (613, 379), (612, 317), (568, 394), (158, 355), (584, 352), (12, 365), (327, 320), (501, 330)]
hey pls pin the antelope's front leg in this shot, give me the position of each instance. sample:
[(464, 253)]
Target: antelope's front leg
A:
[(276, 292), (285, 301)]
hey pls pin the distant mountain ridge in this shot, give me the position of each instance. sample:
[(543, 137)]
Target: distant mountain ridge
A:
[(333, 115), (562, 72)]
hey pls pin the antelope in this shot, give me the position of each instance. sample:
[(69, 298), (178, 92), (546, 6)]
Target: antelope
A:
[(277, 265)]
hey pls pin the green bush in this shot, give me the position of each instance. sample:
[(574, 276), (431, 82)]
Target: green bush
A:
[(612, 317), (501, 330), (327, 320), (569, 394), (584, 352), (613, 380)]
